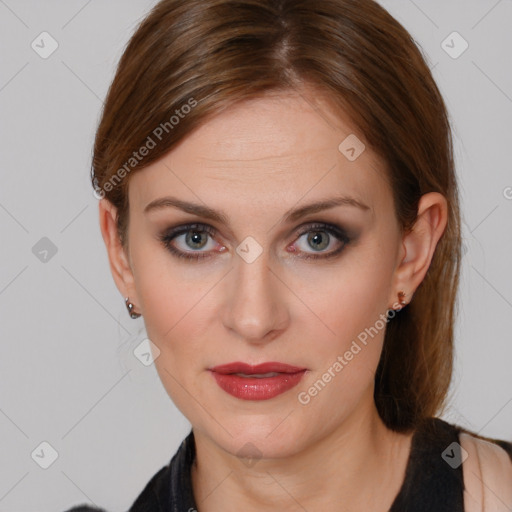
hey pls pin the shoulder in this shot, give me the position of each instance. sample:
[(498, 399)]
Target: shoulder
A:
[(452, 468), (487, 471), (488, 447)]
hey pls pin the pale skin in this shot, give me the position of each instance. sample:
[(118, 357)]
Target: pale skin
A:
[(255, 162)]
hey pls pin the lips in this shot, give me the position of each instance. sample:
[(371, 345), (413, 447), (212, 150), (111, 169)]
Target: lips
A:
[(257, 382), (259, 369)]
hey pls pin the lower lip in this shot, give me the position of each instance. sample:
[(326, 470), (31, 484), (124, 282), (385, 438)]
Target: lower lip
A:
[(248, 388)]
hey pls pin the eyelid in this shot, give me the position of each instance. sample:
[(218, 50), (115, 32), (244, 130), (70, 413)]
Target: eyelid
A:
[(333, 230), (321, 226), (168, 235), (298, 231)]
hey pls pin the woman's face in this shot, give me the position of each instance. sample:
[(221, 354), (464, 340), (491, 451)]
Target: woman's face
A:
[(252, 295)]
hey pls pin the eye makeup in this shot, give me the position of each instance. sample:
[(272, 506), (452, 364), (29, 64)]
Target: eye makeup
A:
[(316, 231)]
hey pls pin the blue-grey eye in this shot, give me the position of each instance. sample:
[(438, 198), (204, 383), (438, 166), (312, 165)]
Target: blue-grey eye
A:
[(196, 239), (318, 240)]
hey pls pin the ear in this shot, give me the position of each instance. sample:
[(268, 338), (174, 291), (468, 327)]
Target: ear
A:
[(419, 244), (118, 258)]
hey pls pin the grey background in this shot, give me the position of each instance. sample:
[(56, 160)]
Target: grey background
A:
[(68, 375)]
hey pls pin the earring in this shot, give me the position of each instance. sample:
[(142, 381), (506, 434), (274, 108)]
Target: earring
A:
[(129, 306), (401, 297)]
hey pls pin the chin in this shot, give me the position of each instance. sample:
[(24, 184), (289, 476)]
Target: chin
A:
[(256, 437)]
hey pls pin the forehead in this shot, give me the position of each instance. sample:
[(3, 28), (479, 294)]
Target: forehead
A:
[(280, 147)]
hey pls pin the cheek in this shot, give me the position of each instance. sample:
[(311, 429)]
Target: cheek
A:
[(177, 302), (173, 315), (161, 290), (350, 296), (351, 300)]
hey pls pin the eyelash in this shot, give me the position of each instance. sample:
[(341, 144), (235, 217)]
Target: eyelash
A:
[(167, 237)]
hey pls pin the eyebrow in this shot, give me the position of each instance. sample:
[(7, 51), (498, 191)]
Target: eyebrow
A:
[(219, 216)]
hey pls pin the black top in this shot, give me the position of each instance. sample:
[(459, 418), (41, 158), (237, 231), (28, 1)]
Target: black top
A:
[(433, 477)]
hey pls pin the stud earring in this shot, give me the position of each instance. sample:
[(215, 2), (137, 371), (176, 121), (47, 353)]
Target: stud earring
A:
[(129, 306), (401, 297)]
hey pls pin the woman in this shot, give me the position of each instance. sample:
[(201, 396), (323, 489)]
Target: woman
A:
[(279, 203)]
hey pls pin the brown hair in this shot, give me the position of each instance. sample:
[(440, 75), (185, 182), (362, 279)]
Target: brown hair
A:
[(210, 54)]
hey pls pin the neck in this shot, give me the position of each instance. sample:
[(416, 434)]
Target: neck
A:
[(358, 466)]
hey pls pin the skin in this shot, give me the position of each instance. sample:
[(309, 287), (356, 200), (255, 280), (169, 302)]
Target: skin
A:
[(255, 162)]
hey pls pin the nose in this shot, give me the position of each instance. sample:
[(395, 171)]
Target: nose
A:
[(255, 308)]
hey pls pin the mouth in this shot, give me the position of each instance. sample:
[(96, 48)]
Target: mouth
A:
[(257, 382)]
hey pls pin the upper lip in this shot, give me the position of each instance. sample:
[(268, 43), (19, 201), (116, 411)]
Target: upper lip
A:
[(248, 369)]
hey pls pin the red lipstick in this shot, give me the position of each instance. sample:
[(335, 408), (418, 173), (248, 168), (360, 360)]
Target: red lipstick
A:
[(259, 382)]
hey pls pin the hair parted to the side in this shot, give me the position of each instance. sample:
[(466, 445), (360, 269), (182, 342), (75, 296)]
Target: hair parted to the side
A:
[(215, 53)]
